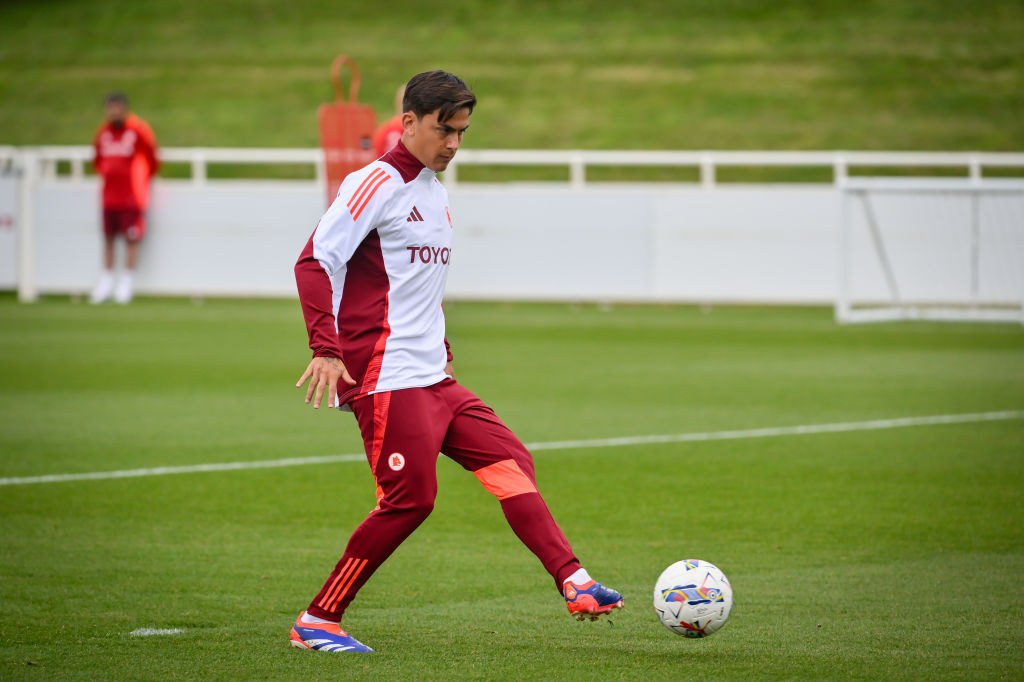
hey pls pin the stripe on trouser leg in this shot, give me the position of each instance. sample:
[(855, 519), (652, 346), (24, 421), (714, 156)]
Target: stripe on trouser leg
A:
[(381, 409), (341, 595), (505, 479), (342, 575)]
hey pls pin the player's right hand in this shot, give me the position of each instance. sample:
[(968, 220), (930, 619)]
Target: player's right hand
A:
[(323, 373)]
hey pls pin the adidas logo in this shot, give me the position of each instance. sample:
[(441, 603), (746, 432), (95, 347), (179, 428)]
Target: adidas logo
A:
[(414, 217)]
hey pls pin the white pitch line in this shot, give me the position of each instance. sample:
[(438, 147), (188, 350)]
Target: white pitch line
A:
[(872, 425), (188, 469), (153, 632), (769, 432)]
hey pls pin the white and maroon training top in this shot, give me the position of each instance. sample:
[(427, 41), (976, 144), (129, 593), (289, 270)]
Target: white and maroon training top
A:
[(372, 276)]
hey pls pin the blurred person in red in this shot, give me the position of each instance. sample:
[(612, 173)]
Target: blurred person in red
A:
[(389, 133), (125, 156)]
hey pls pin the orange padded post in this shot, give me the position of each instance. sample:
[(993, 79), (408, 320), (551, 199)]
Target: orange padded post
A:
[(346, 128)]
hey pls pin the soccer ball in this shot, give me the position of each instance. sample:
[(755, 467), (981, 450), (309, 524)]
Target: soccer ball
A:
[(692, 598)]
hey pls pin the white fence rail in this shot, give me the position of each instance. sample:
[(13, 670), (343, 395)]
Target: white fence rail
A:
[(708, 162), (706, 241), (841, 163)]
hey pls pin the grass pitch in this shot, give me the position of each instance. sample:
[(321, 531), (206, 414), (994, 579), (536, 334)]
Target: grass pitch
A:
[(863, 555)]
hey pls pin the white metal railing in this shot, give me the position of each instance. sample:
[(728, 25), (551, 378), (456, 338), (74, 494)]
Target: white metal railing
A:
[(576, 161), (198, 158), (709, 161)]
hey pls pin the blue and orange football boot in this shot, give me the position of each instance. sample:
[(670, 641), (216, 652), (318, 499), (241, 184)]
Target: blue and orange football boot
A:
[(324, 637), (590, 600)]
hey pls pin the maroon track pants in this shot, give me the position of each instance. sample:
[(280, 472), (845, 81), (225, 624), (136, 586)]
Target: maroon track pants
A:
[(403, 432)]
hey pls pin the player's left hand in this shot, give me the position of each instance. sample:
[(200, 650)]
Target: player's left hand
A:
[(449, 370)]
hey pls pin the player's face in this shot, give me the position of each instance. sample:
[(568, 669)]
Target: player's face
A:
[(116, 112), (434, 143)]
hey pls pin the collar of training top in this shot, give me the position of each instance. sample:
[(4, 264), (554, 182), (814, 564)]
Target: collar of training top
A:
[(403, 160)]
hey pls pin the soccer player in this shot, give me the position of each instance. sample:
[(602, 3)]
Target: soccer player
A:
[(125, 156), (371, 280)]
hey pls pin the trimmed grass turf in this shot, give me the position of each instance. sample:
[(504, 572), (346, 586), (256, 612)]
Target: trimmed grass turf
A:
[(886, 554), (590, 74)]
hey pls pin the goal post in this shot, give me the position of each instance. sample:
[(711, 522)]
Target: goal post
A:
[(931, 249)]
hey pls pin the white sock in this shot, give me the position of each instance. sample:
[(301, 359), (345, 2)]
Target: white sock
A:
[(307, 618), (106, 280), (580, 577), (104, 287), (123, 292)]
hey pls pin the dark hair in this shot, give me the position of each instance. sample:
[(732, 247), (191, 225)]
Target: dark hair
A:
[(438, 91), (116, 96)]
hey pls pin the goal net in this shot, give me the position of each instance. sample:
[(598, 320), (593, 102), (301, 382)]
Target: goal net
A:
[(931, 249)]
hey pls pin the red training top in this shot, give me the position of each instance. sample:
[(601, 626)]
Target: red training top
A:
[(387, 135), (126, 159)]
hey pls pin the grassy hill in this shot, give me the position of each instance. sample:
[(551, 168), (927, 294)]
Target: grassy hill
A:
[(648, 74)]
